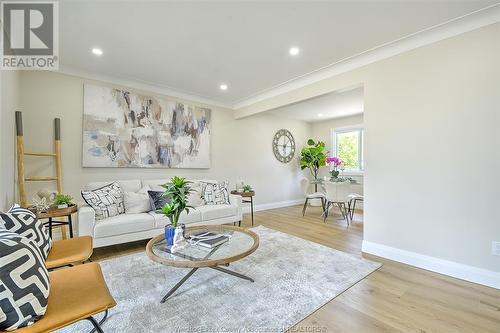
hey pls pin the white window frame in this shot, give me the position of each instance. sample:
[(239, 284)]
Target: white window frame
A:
[(333, 145)]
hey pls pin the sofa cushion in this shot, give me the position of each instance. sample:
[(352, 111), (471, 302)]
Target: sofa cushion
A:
[(25, 223), (107, 201), (130, 185), (215, 193), (137, 202), (161, 220), (211, 212), (157, 200), (24, 281), (123, 224)]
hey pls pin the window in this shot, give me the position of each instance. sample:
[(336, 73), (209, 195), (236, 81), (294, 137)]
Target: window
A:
[(348, 146)]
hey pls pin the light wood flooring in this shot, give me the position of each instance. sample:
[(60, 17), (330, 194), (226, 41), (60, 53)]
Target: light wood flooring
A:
[(395, 298)]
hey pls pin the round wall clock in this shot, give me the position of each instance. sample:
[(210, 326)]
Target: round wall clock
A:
[(283, 145)]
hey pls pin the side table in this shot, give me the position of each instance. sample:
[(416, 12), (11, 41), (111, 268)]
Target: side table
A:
[(246, 195), (59, 212)]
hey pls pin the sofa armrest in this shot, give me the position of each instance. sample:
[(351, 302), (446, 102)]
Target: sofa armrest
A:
[(86, 221), (236, 200)]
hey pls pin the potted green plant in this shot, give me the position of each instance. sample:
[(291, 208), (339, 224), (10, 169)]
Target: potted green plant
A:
[(247, 188), (312, 158), (177, 191), (63, 200)]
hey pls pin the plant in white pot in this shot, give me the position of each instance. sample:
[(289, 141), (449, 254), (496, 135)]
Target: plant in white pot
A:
[(62, 200), (177, 191)]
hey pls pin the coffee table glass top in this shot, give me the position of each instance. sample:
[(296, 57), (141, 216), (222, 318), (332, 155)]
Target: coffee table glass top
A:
[(241, 243)]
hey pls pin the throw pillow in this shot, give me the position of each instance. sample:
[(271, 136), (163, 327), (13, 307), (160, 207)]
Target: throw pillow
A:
[(24, 281), (215, 193), (137, 202), (107, 201), (157, 199), (194, 197), (25, 223)]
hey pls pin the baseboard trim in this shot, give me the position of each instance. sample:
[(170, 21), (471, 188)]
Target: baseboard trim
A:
[(272, 205), (450, 268)]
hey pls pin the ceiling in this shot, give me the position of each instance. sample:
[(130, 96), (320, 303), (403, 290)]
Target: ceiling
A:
[(328, 106), (192, 47)]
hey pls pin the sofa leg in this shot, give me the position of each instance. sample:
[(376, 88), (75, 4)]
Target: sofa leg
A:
[(239, 223)]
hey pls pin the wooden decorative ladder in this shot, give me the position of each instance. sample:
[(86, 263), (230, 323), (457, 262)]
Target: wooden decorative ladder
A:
[(21, 154)]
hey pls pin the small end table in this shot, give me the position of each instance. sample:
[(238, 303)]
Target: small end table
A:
[(59, 212), (246, 195)]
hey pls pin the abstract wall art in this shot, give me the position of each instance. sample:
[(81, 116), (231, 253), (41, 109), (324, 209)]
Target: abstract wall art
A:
[(126, 129)]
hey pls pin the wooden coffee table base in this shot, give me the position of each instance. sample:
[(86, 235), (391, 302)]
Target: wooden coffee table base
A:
[(191, 272)]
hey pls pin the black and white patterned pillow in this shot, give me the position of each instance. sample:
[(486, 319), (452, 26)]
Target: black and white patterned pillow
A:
[(107, 201), (24, 281), (25, 223), (215, 193)]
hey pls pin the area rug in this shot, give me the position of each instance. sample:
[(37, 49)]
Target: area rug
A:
[(293, 278)]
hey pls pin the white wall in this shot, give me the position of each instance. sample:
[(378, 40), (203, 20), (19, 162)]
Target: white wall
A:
[(9, 104), (432, 152), (239, 148)]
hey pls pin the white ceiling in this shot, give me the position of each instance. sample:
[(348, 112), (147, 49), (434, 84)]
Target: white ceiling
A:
[(328, 106), (191, 47)]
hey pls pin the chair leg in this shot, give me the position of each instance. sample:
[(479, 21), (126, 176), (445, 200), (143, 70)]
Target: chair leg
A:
[(326, 211), (323, 202), (304, 208), (353, 208), (97, 324)]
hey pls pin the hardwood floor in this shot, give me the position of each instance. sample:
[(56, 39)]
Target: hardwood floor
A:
[(395, 298)]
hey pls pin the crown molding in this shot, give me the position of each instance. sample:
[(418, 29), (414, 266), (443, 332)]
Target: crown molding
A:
[(140, 85), (451, 28)]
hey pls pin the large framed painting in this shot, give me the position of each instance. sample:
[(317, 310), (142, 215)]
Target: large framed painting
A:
[(126, 129)]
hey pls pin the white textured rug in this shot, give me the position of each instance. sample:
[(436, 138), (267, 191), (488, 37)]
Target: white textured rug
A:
[(293, 278)]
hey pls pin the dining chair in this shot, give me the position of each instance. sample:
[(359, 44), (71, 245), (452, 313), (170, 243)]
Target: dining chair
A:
[(353, 198), (304, 185), (337, 193)]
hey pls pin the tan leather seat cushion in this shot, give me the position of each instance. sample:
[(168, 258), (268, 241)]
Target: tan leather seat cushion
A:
[(75, 293), (68, 251)]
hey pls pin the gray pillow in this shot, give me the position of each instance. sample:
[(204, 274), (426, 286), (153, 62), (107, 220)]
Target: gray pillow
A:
[(24, 281), (157, 199)]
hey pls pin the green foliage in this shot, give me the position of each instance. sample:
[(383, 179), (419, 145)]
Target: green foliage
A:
[(247, 188), (348, 149), (177, 191), (63, 199), (313, 157)]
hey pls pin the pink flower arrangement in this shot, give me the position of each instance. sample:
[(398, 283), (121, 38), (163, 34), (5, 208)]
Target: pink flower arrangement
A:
[(334, 161)]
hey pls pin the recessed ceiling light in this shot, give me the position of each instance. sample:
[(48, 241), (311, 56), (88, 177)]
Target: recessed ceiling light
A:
[(223, 86), (294, 51), (320, 115), (97, 51)]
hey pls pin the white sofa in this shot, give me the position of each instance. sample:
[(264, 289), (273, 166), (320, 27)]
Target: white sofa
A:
[(131, 227)]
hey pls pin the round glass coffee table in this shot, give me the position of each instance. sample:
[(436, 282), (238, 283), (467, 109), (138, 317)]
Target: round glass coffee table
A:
[(240, 243)]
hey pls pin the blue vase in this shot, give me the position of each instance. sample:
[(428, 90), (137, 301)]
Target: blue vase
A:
[(169, 235)]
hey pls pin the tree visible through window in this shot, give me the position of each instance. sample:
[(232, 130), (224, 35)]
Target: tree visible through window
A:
[(348, 145)]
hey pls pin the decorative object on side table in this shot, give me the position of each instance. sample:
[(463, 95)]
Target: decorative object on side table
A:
[(283, 146), (177, 190), (246, 192), (62, 200), (337, 164), (312, 158)]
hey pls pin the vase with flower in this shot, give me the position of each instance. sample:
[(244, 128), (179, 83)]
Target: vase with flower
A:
[(336, 165)]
